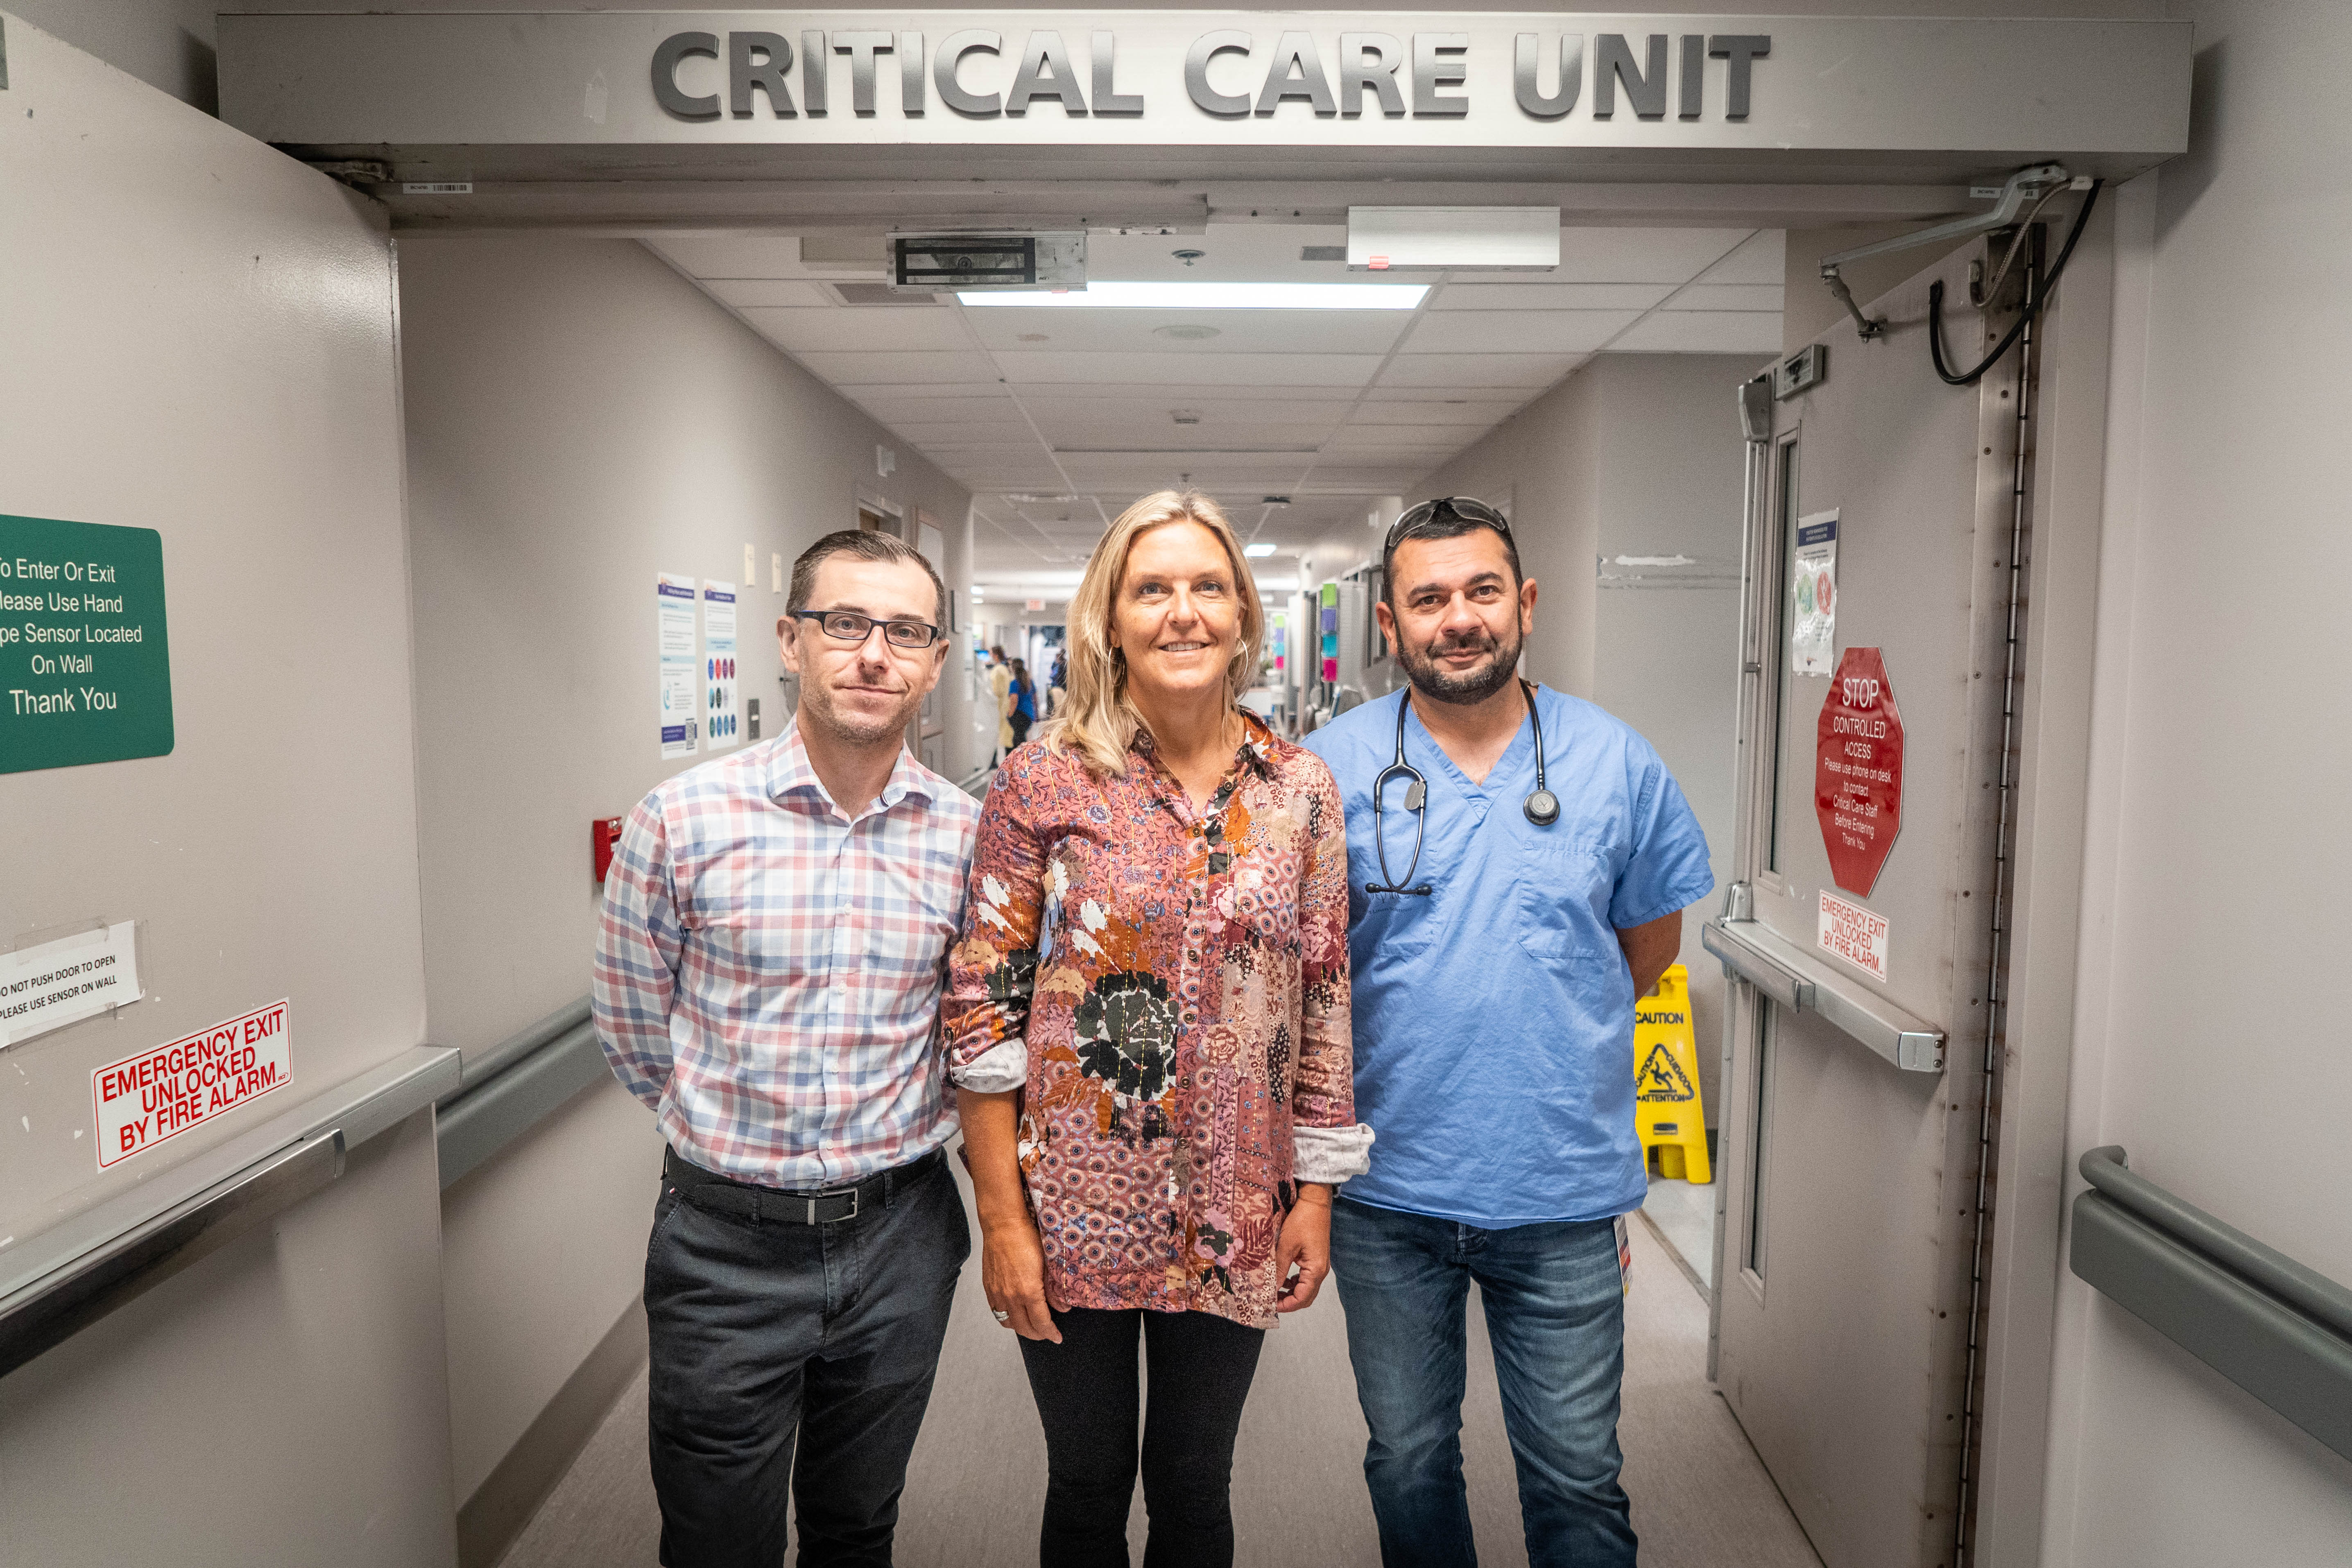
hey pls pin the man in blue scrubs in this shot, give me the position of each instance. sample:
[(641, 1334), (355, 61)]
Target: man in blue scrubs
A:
[(1495, 981)]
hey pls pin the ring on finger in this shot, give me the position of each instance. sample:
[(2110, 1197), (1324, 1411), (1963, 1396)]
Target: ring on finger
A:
[(1000, 1315)]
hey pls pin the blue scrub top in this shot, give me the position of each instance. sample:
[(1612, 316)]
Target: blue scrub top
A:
[(1494, 1019)]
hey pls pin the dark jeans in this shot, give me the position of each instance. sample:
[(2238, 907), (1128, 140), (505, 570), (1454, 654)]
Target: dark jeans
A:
[(1021, 722), (1556, 1315), (1199, 1366), (765, 1331)]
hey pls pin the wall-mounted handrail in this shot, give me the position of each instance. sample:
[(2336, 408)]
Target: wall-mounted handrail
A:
[(2278, 1330), (515, 1085), (58, 1282)]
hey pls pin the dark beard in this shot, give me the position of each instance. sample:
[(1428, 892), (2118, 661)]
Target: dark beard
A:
[(1460, 690)]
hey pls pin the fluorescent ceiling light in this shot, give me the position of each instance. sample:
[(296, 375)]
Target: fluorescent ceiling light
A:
[(1214, 296), (1258, 552)]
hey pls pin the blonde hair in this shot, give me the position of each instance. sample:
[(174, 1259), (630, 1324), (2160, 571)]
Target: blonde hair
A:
[(1100, 721)]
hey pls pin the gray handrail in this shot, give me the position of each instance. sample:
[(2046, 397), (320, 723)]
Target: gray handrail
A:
[(517, 1084), (56, 1283), (2278, 1330), (2306, 1290)]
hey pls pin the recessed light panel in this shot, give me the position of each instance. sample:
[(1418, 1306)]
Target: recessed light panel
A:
[(1214, 297)]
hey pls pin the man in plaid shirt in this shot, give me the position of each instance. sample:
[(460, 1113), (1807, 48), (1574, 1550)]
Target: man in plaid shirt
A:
[(767, 978)]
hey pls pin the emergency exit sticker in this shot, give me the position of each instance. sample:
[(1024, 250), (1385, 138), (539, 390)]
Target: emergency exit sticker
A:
[(142, 1099), (1853, 933)]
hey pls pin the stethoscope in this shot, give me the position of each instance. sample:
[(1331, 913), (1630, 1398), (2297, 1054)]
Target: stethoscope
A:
[(1542, 806)]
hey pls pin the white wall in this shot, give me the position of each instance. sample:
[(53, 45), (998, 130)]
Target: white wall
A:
[(1634, 455), (2207, 1039), (580, 418)]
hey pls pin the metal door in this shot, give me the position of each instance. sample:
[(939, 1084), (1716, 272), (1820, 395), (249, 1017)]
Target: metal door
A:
[(1855, 1125)]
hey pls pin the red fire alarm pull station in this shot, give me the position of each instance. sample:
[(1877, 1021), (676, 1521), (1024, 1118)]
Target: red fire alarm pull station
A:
[(602, 833)]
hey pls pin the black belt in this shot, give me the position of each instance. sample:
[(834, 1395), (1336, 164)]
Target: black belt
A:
[(725, 1195)]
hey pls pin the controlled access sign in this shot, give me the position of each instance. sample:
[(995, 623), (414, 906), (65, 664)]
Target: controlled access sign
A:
[(85, 668), (1858, 770)]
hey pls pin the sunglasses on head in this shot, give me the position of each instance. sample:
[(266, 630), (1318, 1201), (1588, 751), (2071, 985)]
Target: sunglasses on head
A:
[(1429, 511)]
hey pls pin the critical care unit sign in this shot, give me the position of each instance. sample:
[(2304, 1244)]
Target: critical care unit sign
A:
[(142, 1099)]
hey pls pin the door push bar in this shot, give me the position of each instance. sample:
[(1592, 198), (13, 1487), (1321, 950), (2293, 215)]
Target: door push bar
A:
[(2024, 183), (43, 1316), (1785, 972)]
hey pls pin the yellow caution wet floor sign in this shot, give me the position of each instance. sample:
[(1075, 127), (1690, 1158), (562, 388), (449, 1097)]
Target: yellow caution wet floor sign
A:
[(1667, 1109)]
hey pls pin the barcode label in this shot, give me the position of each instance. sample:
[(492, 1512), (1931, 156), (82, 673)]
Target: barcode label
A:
[(438, 188)]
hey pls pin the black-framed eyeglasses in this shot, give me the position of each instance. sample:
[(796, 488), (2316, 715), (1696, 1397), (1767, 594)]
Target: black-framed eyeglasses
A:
[(1467, 508), (848, 625)]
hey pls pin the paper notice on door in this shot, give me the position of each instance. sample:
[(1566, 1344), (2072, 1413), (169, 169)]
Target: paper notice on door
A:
[(59, 983), (1855, 935), (1812, 590), (681, 693), (719, 665)]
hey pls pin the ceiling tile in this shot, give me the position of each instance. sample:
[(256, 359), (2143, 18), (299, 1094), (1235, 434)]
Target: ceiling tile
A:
[(1475, 413), (1525, 333), (1550, 296), (742, 292), (1763, 259), (734, 256), (1704, 331), (1210, 370), (897, 369), (1728, 297), (1478, 370), (840, 331)]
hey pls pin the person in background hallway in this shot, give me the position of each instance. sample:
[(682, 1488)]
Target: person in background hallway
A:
[(999, 682), (1148, 1017), (1024, 695), (767, 978), (1494, 1018)]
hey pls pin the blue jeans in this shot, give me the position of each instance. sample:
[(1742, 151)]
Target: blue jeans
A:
[(1556, 1315)]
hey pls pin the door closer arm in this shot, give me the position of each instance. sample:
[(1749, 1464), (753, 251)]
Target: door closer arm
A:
[(2023, 185)]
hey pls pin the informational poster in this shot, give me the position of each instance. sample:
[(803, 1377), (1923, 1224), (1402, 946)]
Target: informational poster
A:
[(142, 1099), (74, 977), (1813, 588), (1858, 770), (719, 665), (85, 667), (681, 693)]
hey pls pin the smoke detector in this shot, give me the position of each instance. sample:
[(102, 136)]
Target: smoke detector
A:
[(1188, 257)]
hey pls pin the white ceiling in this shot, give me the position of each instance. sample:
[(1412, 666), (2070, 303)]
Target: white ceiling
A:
[(1057, 418)]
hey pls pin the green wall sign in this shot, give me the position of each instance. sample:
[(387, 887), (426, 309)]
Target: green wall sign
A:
[(85, 664)]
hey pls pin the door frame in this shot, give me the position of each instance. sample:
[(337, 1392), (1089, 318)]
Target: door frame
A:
[(2023, 1258)]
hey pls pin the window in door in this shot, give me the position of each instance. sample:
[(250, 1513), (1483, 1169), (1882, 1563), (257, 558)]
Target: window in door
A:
[(1776, 661)]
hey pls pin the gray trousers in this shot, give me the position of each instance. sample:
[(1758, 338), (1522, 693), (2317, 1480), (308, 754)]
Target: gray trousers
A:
[(787, 1355)]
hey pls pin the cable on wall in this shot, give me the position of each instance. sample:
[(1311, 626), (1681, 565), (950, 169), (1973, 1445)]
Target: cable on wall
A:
[(2033, 304)]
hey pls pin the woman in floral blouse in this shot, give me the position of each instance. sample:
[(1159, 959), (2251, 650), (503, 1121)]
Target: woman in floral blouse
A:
[(1148, 1017)]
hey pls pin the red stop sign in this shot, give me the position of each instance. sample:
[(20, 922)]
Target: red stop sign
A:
[(1858, 770)]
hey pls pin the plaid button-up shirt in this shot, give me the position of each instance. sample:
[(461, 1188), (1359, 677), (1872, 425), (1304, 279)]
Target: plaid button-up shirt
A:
[(767, 972)]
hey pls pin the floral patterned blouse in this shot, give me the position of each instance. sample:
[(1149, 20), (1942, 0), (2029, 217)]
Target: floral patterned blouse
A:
[(1169, 989)]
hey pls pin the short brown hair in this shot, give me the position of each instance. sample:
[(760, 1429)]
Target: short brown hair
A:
[(866, 545)]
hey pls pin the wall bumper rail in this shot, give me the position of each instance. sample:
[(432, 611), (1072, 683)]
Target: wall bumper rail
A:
[(59, 1282), (1803, 983), (516, 1084), (2281, 1331)]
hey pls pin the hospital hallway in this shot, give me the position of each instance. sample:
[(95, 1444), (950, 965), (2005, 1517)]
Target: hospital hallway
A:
[(619, 622), (1701, 1497)]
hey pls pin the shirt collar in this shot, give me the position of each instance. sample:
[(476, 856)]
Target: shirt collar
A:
[(1255, 753), (788, 772)]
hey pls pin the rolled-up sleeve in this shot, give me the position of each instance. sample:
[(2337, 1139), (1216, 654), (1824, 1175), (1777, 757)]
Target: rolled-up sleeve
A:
[(635, 975), (1328, 1144), (992, 969)]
